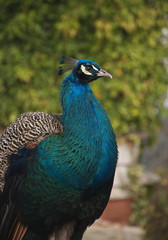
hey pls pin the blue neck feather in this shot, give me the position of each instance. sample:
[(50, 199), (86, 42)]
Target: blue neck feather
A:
[(88, 131)]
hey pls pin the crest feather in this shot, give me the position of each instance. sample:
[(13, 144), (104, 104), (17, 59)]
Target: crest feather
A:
[(66, 64)]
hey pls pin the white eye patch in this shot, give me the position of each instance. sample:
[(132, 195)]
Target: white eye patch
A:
[(87, 72), (95, 68)]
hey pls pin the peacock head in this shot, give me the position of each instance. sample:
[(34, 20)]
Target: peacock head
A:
[(84, 71)]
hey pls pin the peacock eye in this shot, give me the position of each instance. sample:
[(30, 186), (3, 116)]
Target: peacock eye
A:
[(88, 67)]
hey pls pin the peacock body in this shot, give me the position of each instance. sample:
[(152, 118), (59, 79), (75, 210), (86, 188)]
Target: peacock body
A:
[(59, 182)]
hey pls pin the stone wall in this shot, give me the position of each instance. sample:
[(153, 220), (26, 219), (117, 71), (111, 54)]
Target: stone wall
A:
[(105, 231)]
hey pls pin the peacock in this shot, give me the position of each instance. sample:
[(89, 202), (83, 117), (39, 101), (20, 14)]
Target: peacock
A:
[(59, 168)]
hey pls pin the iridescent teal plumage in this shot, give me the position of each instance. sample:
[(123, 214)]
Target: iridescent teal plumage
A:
[(67, 179)]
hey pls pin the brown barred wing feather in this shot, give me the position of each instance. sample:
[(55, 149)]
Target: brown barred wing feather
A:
[(27, 131)]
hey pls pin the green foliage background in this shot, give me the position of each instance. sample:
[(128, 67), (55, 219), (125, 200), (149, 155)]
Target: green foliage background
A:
[(150, 205), (123, 36)]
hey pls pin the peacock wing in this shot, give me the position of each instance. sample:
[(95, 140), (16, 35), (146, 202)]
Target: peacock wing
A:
[(26, 131)]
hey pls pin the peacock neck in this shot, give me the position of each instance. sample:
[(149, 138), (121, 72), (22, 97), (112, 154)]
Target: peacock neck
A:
[(80, 112), (87, 130)]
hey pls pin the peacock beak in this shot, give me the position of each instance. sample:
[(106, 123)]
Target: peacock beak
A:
[(103, 73)]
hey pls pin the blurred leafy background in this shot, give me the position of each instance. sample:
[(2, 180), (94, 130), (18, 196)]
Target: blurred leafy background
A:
[(124, 37), (150, 203)]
